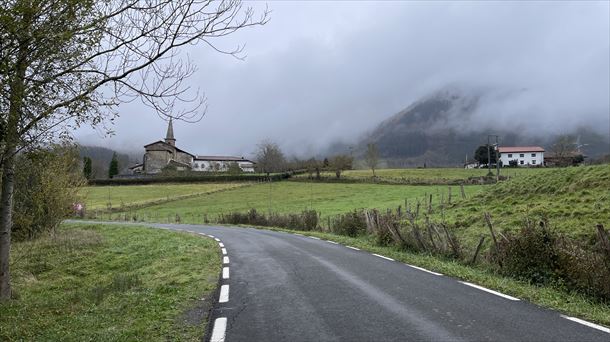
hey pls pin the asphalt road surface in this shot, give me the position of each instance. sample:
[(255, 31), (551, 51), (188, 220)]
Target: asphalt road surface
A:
[(286, 287)]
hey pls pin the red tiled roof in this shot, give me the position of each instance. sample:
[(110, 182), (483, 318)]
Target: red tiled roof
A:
[(513, 149)]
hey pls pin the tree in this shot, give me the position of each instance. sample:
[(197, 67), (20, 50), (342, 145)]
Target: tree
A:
[(234, 169), (372, 157), (565, 151), (270, 158), (66, 63), (481, 155), (87, 168), (113, 168), (340, 163)]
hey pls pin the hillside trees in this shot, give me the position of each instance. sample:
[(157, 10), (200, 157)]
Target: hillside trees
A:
[(339, 163), (66, 63), (481, 154)]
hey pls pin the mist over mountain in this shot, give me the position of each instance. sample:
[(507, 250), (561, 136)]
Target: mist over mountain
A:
[(445, 128)]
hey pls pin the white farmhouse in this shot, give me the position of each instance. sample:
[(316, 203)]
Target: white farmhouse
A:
[(524, 155)]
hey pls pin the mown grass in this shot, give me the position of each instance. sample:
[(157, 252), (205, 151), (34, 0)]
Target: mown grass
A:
[(289, 197), (104, 197), (570, 303), (428, 174), (109, 283)]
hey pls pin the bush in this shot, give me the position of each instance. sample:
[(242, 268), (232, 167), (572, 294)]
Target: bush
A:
[(350, 224), (306, 220), (46, 186)]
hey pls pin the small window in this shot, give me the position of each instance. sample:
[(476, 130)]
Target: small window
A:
[(533, 155), (522, 155), (521, 162), (510, 155), (533, 161)]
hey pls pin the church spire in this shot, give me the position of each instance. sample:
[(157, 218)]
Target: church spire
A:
[(169, 137)]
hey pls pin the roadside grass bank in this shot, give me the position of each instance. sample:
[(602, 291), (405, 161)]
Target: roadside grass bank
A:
[(107, 198), (285, 197), (556, 298), (110, 283)]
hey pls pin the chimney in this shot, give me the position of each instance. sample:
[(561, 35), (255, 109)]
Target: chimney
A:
[(169, 137)]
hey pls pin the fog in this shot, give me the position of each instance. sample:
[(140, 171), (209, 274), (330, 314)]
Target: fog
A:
[(321, 72)]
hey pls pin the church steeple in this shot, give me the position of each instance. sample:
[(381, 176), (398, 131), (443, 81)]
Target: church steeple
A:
[(169, 137)]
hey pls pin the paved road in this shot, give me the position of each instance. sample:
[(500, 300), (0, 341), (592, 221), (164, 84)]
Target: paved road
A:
[(286, 287)]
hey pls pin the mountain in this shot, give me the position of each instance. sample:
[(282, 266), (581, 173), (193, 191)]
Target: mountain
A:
[(445, 128)]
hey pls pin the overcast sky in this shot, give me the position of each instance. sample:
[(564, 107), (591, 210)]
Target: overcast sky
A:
[(325, 71)]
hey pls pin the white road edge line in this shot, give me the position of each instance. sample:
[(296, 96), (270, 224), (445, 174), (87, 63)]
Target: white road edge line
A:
[(589, 324), (190, 231), (334, 243), (225, 273), (313, 237), (225, 260), (217, 239), (220, 328), (354, 248), (488, 290), (224, 294), (221, 244), (212, 236), (224, 251), (425, 270), (203, 234), (299, 234), (384, 257)]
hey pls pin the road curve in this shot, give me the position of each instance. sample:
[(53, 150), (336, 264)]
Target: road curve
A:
[(287, 287)]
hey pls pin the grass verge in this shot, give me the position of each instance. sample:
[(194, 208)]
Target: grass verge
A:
[(111, 283), (570, 303)]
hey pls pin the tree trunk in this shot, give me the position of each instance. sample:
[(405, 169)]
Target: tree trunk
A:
[(6, 223)]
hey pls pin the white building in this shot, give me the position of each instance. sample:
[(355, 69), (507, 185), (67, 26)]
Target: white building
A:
[(524, 155), (220, 163)]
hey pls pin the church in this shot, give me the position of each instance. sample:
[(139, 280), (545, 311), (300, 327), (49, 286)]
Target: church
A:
[(164, 154)]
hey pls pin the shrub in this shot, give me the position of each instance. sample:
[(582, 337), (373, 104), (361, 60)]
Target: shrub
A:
[(350, 224)]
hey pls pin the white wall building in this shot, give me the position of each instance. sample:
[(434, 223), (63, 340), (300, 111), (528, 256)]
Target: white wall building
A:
[(220, 163), (524, 155)]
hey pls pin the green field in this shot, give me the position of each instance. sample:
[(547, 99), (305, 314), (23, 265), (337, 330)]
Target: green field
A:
[(104, 197), (429, 174), (110, 283), (290, 197)]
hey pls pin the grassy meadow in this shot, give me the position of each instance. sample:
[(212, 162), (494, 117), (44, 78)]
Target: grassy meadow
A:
[(291, 197), (110, 283), (104, 197), (428, 174)]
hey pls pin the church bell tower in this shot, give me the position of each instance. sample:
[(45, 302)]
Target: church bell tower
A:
[(169, 137)]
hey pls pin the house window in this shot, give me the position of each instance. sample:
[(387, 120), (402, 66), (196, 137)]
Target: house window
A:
[(522, 155), (521, 162), (510, 155), (533, 161), (533, 155)]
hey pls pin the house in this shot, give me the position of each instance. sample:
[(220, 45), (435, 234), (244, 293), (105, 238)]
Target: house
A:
[(164, 154), (522, 155)]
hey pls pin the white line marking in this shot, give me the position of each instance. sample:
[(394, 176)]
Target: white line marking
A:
[(425, 270), (224, 294), (217, 239), (490, 291), (313, 237), (190, 231), (224, 251), (589, 324), (225, 273), (212, 236), (225, 260), (299, 234), (354, 248), (384, 257), (221, 244), (334, 243), (220, 327), (203, 234)]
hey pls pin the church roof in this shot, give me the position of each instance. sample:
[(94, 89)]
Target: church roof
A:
[(170, 131), (168, 147)]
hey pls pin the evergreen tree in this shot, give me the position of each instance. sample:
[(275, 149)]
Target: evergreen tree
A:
[(87, 169), (113, 169)]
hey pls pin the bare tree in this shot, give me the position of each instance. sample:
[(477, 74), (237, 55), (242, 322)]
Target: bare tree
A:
[(270, 158), (65, 63), (341, 162), (372, 157), (564, 149)]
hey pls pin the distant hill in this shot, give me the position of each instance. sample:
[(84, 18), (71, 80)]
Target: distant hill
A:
[(440, 130), (100, 159)]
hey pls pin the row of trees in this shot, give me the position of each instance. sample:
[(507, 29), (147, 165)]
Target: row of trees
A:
[(113, 167)]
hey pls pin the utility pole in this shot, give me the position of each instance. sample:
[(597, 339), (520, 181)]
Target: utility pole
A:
[(496, 145)]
